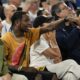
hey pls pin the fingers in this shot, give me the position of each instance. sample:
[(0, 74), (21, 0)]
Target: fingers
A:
[(57, 60), (71, 18)]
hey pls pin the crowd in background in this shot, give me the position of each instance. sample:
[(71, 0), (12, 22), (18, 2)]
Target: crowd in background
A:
[(34, 10), (57, 50)]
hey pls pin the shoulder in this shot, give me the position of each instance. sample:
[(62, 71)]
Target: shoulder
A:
[(35, 30), (7, 35)]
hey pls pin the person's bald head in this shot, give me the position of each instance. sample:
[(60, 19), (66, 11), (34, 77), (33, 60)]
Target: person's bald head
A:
[(15, 2), (9, 10)]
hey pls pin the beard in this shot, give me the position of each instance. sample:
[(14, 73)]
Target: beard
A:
[(25, 29)]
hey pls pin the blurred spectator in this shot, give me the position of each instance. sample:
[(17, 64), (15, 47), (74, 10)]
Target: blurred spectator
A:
[(16, 3), (32, 11), (9, 11), (44, 4)]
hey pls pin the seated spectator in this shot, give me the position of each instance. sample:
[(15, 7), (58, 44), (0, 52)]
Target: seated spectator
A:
[(21, 34), (50, 39), (5, 74), (68, 32), (43, 55), (9, 11), (45, 5)]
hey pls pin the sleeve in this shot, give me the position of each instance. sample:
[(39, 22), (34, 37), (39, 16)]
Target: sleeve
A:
[(42, 46), (35, 34)]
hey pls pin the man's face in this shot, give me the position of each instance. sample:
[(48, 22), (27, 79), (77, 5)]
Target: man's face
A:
[(64, 11), (25, 23), (34, 5)]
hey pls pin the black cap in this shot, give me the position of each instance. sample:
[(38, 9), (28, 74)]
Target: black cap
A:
[(40, 20)]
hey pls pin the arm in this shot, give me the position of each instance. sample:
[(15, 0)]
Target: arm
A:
[(4, 71), (42, 48), (77, 20), (74, 19), (50, 52), (50, 26)]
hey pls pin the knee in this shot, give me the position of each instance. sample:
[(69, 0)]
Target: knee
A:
[(72, 62), (19, 77), (69, 76)]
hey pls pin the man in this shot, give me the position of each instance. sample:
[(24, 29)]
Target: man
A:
[(20, 25), (68, 33), (43, 56)]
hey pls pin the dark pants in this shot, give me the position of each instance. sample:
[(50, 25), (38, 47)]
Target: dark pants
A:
[(32, 74)]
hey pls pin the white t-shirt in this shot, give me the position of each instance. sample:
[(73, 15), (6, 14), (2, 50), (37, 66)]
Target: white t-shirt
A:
[(5, 28), (36, 58), (32, 16)]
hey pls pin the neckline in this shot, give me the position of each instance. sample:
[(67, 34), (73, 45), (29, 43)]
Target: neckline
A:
[(19, 40)]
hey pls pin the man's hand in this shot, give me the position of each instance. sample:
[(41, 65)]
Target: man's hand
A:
[(57, 60), (74, 19)]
